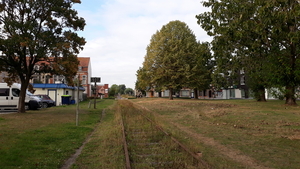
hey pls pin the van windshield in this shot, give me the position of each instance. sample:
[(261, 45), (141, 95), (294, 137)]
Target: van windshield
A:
[(28, 93)]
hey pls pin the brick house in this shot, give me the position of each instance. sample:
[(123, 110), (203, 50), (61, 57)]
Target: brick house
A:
[(85, 72), (102, 90)]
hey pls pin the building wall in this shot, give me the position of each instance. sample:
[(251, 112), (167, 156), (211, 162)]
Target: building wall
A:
[(56, 91), (103, 89), (238, 93), (54, 94), (85, 73)]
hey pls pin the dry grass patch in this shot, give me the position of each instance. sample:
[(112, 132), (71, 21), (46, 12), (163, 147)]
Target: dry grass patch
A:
[(265, 132)]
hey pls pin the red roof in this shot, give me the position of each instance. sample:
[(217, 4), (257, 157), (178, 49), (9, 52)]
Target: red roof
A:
[(84, 61)]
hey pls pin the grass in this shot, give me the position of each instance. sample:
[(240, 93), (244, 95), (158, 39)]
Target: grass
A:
[(233, 133), (149, 147), (45, 138), (105, 147), (228, 133)]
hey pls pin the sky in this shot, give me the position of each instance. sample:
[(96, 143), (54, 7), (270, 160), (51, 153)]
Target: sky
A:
[(118, 31)]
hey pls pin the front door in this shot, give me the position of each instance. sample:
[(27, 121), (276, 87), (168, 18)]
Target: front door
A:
[(14, 97), (52, 93)]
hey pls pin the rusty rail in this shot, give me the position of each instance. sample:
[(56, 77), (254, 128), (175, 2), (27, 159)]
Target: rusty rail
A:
[(194, 155)]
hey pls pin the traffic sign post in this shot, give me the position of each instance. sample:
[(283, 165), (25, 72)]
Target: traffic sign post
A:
[(95, 80)]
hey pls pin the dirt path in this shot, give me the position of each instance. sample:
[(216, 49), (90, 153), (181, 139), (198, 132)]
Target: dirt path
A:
[(73, 158), (69, 162), (234, 154)]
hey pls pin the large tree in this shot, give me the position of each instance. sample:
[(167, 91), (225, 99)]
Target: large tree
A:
[(113, 90), (199, 69), (129, 91), (122, 89), (142, 81), (32, 31), (169, 54), (263, 34)]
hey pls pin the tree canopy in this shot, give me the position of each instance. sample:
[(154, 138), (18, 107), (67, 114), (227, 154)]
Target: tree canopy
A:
[(173, 59), (119, 89), (129, 91), (261, 37), (34, 31), (113, 90)]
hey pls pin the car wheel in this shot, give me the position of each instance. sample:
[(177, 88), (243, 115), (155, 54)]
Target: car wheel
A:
[(26, 107), (45, 105)]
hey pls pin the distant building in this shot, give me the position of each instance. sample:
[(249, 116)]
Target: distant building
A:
[(102, 90)]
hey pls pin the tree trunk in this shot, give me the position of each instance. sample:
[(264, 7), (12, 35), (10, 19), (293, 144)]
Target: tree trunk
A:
[(171, 94), (290, 96), (195, 93), (261, 95), (22, 96)]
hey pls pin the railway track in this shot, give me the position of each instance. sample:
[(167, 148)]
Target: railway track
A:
[(147, 145)]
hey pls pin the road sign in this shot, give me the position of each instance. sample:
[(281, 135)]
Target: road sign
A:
[(96, 79)]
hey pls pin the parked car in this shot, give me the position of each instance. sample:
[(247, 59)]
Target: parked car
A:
[(9, 98), (46, 100)]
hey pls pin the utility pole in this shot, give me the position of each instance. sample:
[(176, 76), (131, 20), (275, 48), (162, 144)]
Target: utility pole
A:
[(95, 94), (77, 106)]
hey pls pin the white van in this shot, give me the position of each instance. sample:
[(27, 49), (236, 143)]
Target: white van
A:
[(9, 97)]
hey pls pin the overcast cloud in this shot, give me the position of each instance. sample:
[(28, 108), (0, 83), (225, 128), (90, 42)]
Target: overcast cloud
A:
[(118, 32)]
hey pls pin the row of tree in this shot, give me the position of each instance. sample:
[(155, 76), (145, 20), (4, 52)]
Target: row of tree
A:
[(259, 37), (120, 89)]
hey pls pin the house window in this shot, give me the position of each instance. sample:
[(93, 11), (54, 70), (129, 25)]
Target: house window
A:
[(242, 80), (166, 93), (36, 67), (47, 79), (67, 92), (84, 79), (232, 93), (79, 68), (243, 93), (242, 72), (59, 78), (185, 93)]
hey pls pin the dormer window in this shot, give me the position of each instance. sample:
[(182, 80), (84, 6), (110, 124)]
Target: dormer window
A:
[(79, 68), (36, 67)]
